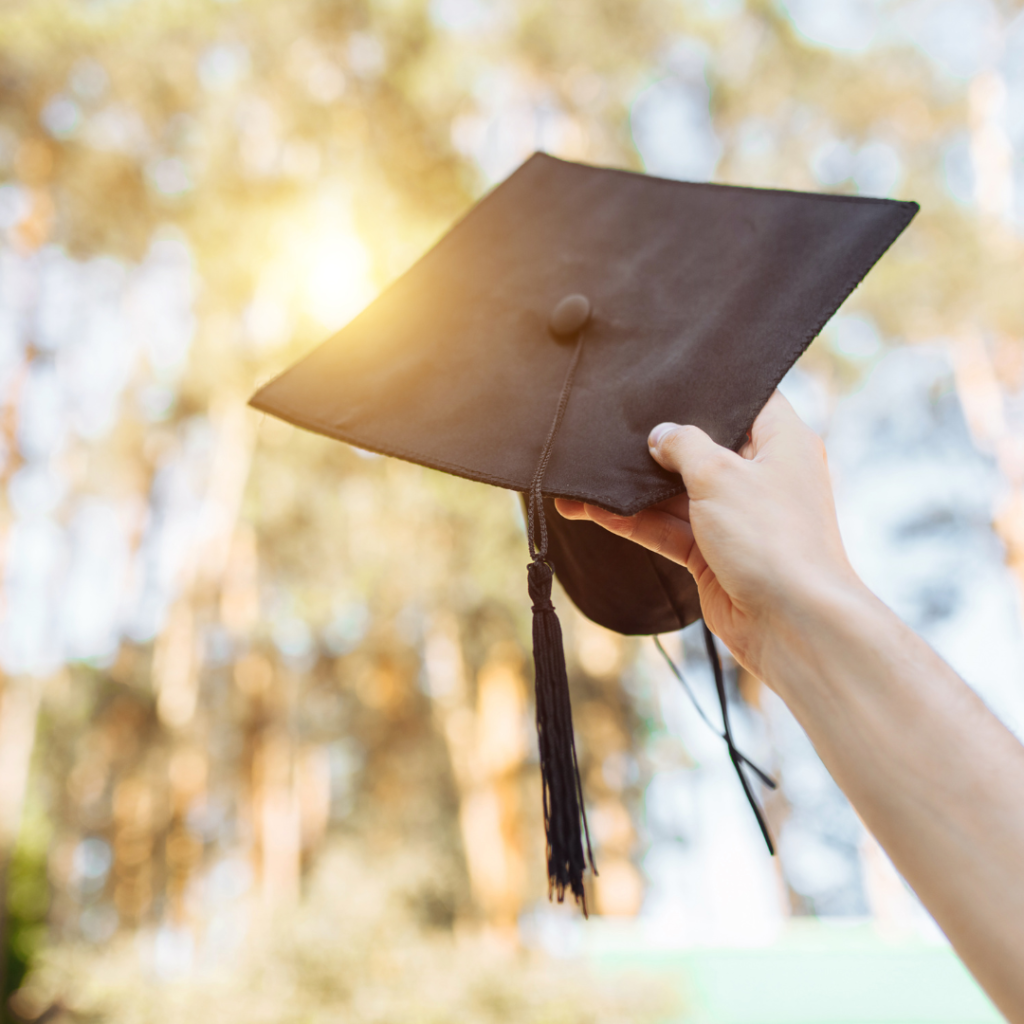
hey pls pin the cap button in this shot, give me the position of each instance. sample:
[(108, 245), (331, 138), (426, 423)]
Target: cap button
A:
[(569, 316)]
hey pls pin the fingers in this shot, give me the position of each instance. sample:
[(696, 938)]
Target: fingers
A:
[(569, 509), (678, 506), (688, 451), (654, 529), (777, 418), (779, 430)]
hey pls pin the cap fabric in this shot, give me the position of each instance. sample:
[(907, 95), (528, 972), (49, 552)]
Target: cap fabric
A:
[(702, 296), (536, 345)]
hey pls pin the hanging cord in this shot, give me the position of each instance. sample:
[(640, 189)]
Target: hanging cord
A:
[(559, 767), (535, 506), (716, 665), (763, 776), (735, 755)]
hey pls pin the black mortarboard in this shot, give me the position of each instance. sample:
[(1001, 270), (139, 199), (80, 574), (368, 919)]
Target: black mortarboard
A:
[(535, 346)]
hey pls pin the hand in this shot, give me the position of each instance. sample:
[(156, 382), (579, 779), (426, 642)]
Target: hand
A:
[(757, 529), (929, 769)]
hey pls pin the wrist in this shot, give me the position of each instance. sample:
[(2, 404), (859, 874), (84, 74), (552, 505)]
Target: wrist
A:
[(814, 628)]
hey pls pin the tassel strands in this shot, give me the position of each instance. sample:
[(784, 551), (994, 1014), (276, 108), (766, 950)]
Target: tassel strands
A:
[(560, 773)]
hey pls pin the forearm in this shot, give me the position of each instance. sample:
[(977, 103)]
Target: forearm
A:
[(933, 774)]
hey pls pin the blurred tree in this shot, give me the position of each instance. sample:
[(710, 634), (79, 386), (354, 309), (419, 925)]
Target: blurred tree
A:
[(271, 633)]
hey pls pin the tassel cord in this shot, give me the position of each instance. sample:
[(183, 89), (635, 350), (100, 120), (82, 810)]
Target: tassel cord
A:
[(762, 775), (537, 527), (734, 754)]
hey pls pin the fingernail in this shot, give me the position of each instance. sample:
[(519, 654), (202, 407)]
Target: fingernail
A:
[(658, 433)]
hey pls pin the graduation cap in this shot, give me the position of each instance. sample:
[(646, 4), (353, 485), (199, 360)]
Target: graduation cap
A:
[(534, 347)]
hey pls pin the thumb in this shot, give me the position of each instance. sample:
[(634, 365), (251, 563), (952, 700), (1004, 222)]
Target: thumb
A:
[(688, 451)]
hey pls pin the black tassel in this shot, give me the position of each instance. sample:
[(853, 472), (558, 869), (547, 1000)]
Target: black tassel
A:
[(559, 768)]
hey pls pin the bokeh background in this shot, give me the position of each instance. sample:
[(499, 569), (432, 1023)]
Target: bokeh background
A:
[(266, 741)]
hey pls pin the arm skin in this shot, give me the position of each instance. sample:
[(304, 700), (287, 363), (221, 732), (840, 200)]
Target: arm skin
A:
[(932, 773)]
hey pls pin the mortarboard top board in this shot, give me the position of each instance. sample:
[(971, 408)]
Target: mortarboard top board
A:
[(534, 347)]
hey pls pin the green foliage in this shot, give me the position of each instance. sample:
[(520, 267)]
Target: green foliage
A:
[(28, 901)]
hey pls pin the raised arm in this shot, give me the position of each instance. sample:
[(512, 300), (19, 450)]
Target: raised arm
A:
[(934, 775)]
